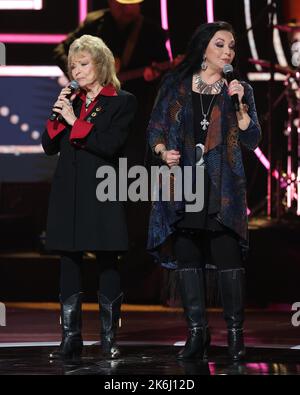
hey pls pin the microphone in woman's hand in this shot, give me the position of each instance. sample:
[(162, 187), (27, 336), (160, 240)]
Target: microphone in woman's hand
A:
[(73, 86), (228, 73)]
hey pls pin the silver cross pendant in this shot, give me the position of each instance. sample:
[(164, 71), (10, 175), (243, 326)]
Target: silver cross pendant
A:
[(204, 124)]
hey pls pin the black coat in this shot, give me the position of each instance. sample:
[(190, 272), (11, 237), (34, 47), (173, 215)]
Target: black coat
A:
[(77, 220)]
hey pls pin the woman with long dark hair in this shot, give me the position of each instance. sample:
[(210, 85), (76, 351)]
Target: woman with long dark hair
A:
[(194, 123)]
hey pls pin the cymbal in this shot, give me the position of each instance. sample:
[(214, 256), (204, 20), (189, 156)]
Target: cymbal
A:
[(289, 27), (266, 64)]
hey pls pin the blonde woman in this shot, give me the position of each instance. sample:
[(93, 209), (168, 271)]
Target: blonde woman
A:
[(89, 132)]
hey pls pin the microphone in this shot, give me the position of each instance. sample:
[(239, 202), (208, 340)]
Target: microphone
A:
[(73, 86), (228, 73)]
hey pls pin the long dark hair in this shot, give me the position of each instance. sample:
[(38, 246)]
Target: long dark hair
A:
[(197, 47)]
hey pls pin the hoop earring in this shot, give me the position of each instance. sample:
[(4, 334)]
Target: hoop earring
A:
[(204, 64)]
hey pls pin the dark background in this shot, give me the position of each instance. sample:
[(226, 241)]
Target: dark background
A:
[(60, 17), (25, 180)]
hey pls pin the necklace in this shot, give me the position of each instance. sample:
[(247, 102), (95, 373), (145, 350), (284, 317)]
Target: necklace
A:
[(205, 123), (208, 89), (88, 101)]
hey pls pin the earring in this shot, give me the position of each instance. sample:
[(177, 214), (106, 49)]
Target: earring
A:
[(203, 64)]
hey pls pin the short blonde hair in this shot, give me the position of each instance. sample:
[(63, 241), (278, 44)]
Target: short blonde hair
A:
[(101, 56)]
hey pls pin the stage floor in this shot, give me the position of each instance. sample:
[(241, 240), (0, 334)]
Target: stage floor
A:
[(150, 337)]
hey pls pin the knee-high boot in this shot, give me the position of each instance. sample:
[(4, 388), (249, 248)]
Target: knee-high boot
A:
[(232, 288), (192, 290), (110, 312), (71, 323)]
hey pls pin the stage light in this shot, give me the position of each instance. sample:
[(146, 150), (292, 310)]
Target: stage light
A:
[(210, 10), (21, 5), (165, 24), (277, 41), (32, 38), (14, 119), (262, 158), (295, 49), (4, 111), (35, 135), (83, 10), (276, 36), (164, 14), (24, 127), (259, 76), (24, 38), (252, 44)]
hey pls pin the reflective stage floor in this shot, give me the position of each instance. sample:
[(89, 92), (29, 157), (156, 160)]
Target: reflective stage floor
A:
[(148, 360), (150, 337)]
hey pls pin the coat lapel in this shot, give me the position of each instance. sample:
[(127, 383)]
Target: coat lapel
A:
[(94, 110)]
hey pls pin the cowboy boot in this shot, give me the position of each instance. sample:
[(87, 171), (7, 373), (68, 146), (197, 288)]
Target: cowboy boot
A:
[(71, 322), (232, 288), (192, 290), (110, 312)]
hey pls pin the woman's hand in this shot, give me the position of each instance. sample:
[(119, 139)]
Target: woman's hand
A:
[(236, 88), (63, 106), (171, 158)]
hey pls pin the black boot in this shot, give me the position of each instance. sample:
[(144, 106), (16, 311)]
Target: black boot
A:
[(232, 288), (192, 290), (72, 344), (110, 312)]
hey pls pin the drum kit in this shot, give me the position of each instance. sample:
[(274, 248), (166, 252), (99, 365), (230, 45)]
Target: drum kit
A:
[(288, 175)]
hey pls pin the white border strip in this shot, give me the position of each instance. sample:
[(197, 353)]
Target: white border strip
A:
[(30, 71), (141, 343), (21, 5), (21, 149)]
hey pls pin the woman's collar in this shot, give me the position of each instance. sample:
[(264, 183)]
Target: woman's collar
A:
[(108, 90)]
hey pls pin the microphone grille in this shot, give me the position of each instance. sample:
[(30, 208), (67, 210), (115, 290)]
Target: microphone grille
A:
[(74, 85), (227, 68)]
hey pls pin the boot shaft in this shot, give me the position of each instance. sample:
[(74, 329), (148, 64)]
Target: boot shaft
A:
[(192, 290), (71, 315), (110, 312), (232, 290), (236, 347), (71, 323)]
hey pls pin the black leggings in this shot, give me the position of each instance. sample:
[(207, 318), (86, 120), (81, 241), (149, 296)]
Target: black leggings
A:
[(194, 250), (71, 274)]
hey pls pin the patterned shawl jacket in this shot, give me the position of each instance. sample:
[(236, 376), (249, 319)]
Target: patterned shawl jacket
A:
[(171, 123)]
